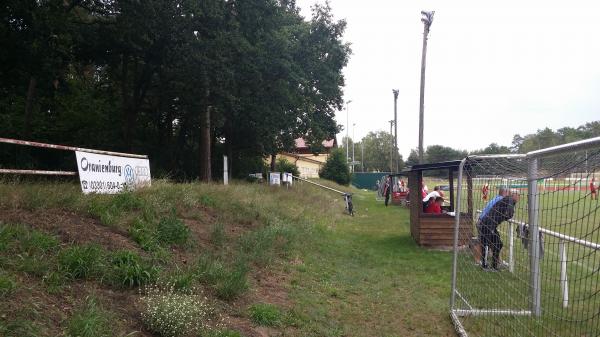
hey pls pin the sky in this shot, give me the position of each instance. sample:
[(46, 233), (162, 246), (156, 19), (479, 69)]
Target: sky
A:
[(494, 69)]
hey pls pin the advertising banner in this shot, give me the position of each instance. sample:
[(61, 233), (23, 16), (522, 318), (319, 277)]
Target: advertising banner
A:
[(104, 174), (287, 178), (275, 178)]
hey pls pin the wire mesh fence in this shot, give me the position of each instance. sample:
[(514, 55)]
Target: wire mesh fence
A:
[(532, 265)]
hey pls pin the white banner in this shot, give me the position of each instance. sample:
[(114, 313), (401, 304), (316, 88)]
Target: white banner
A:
[(99, 173), (287, 178)]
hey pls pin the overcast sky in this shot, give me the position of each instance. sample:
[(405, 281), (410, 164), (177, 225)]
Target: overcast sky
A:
[(492, 70)]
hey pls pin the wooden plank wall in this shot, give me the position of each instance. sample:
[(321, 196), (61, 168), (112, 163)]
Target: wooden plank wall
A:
[(438, 231)]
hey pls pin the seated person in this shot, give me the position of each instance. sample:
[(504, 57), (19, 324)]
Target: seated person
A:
[(435, 206), (437, 192)]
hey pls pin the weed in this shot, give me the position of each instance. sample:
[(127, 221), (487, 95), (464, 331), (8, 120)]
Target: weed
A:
[(217, 234), (181, 279), (207, 201), (9, 235), (144, 234), (38, 243), (265, 314), (171, 314), (209, 269), (7, 285), (129, 270), (171, 230), (19, 327), (81, 261), (110, 207), (90, 321), (33, 265), (54, 281), (232, 284)]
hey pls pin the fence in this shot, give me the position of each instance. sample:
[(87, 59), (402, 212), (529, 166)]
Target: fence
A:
[(551, 287)]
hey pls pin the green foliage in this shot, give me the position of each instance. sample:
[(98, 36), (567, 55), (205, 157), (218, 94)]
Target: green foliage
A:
[(217, 235), (144, 234), (81, 261), (7, 285), (108, 208), (265, 314), (283, 165), (129, 270), (222, 333), (90, 320), (374, 152), (336, 168), (233, 283), (171, 230)]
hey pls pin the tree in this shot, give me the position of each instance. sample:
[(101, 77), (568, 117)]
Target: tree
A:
[(377, 147), (493, 148), (336, 168), (283, 165)]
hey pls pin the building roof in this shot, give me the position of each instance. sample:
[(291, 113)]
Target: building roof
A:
[(328, 144)]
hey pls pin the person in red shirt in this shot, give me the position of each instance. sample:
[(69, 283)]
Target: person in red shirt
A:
[(593, 190), (485, 190), (435, 207)]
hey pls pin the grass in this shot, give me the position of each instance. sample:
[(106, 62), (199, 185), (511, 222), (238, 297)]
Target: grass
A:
[(265, 314), (81, 262), (90, 320)]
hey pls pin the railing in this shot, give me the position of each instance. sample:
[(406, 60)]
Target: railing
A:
[(58, 147)]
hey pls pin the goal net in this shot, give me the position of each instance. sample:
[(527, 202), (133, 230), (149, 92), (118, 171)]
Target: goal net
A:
[(532, 265)]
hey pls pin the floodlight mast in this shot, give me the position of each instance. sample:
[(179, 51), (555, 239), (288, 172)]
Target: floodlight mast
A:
[(427, 19)]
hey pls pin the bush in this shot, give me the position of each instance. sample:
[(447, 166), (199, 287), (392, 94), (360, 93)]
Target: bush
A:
[(90, 321), (128, 270), (283, 165), (171, 314), (336, 169), (81, 261), (265, 314)]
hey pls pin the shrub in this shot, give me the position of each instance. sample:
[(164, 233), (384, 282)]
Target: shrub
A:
[(128, 270), (171, 314), (283, 165), (171, 230), (81, 261), (265, 314), (90, 321), (336, 168)]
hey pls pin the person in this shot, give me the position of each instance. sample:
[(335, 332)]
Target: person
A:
[(424, 190), (387, 189), (437, 192), (402, 186), (485, 191), (593, 190), (435, 206), (501, 211), (502, 192)]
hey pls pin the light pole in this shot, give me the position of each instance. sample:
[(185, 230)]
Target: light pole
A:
[(396, 91), (427, 20), (347, 127), (362, 154), (353, 142), (391, 147)]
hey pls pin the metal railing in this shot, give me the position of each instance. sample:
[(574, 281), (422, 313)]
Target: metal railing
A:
[(58, 147)]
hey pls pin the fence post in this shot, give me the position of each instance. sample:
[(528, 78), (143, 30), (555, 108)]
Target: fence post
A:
[(564, 283), (457, 230), (225, 171), (511, 249), (534, 236)]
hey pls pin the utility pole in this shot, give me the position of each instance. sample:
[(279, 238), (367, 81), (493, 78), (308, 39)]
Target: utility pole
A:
[(362, 154), (391, 147), (347, 129), (396, 91), (427, 20)]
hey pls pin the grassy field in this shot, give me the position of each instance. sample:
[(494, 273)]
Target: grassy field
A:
[(208, 260)]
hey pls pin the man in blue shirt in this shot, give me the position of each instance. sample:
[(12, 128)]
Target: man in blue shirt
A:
[(502, 192)]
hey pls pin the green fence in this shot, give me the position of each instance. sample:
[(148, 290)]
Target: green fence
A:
[(367, 180)]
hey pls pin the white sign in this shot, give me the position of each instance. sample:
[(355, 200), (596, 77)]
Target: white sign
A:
[(99, 173), (275, 178), (287, 178)]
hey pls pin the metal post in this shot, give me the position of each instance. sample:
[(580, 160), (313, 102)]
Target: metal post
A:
[(347, 130), (511, 249), (456, 231), (534, 234), (225, 171), (391, 148), (353, 142), (564, 283), (362, 155)]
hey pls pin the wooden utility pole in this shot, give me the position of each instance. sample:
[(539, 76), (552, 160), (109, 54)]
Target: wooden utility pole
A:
[(205, 145), (427, 19)]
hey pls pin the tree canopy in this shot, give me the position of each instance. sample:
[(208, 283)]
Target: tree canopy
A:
[(142, 76)]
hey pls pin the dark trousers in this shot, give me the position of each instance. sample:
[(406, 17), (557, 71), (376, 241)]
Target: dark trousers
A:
[(490, 240)]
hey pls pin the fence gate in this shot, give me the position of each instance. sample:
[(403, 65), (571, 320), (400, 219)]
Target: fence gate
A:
[(547, 281)]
